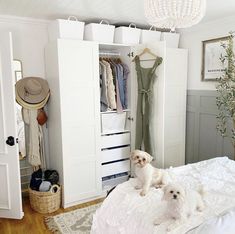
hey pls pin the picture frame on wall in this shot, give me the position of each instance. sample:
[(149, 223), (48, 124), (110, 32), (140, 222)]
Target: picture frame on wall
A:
[(212, 67)]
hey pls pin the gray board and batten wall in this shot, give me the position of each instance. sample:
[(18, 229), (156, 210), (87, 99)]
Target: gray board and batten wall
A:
[(202, 139)]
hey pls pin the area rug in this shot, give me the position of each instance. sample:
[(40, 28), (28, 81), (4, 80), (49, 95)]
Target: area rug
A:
[(77, 221)]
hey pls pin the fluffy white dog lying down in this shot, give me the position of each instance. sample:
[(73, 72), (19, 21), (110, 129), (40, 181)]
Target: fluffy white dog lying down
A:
[(147, 174), (181, 204)]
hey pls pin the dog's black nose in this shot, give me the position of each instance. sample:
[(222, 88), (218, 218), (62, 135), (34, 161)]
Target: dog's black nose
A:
[(174, 196)]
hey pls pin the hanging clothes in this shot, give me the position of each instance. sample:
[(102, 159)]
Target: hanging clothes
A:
[(104, 105), (145, 78), (126, 72), (30, 118), (120, 85), (118, 100), (113, 84), (110, 86), (100, 78)]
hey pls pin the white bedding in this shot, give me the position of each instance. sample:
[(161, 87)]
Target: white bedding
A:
[(124, 211), (223, 224)]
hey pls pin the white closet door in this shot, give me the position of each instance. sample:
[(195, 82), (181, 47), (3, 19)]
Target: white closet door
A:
[(175, 106), (157, 119), (80, 119), (10, 195)]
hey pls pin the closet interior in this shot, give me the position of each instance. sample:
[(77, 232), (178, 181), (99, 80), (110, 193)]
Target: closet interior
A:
[(116, 122)]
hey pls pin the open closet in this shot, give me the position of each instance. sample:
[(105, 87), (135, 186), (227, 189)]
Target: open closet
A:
[(15, 166), (115, 120), (91, 154)]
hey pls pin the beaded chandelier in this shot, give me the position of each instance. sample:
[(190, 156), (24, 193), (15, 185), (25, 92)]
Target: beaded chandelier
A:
[(174, 13)]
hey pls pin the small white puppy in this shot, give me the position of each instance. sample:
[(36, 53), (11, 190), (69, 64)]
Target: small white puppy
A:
[(147, 174), (181, 204)]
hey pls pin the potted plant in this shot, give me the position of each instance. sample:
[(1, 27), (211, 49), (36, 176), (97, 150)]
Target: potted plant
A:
[(225, 100)]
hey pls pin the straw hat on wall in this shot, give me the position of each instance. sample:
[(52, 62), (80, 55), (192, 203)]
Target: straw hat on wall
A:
[(32, 92)]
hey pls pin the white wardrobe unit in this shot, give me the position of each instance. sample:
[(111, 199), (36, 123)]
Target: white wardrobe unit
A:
[(89, 160), (175, 107)]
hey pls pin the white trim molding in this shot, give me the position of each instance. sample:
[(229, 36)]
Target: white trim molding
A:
[(23, 20)]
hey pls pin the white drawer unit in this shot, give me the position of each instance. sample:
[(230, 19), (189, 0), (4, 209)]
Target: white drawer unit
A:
[(115, 159), (109, 141), (115, 168), (109, 155)]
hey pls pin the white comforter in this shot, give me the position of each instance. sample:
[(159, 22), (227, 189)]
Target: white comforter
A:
[(124, 211), (222, 224)]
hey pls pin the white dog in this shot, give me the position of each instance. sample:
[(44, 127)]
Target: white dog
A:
[(181, 204), (147, 174)]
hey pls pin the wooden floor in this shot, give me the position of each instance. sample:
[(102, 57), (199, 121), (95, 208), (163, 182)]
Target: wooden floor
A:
[(33, 222)]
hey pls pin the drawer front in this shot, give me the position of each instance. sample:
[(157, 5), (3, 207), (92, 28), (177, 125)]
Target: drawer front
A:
[(115, 168), (115, 140), (110, 155)]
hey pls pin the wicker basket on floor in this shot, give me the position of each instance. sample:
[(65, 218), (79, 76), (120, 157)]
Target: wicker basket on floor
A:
[(45, 202)]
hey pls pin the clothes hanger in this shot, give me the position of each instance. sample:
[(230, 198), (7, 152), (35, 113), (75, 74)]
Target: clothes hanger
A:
[(146, 51), (119, 60), (107, 59)]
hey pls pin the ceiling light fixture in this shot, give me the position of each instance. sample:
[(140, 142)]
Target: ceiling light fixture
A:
[(174, 14)]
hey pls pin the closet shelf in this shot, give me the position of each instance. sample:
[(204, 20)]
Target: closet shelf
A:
[(24, 168), (107, 112), (116, 132), (112, 45)]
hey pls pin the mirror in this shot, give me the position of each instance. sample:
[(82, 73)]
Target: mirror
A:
[(17, 66), (18, 70)]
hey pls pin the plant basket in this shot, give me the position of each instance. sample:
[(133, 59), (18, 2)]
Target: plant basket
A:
[(45, 202)]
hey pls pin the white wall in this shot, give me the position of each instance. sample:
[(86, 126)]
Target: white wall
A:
[(192, 39), (29, 39)]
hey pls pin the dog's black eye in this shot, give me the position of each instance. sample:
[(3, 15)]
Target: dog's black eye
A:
[(171, 191), (178, 192), (137, 157), (144, 159)]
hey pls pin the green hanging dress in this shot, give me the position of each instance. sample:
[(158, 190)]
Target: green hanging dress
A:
[(146, 78)]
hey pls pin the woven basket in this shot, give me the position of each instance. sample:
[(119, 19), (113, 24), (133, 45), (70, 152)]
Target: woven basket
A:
[(45, 202)]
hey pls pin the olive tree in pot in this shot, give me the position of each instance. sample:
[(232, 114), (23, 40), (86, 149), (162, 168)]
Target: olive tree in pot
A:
[(226, 93)]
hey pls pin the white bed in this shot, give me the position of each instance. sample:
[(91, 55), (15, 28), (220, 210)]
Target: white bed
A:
[(124, 211)]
